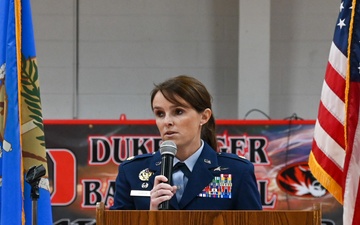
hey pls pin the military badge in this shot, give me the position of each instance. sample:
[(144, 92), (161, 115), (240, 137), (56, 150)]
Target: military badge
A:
[(207, 161), (145, 174), (220, 187), (145, 185), (221, 168)]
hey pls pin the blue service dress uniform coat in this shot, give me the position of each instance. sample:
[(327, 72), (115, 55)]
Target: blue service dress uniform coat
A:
[(136, 176)]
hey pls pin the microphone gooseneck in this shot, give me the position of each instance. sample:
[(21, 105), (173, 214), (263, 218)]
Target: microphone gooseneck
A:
[(168, 150)]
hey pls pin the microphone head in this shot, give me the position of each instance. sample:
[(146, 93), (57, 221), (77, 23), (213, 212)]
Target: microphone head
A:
[(168, 147)]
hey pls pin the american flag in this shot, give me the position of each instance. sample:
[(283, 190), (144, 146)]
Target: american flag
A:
[(335, 156)]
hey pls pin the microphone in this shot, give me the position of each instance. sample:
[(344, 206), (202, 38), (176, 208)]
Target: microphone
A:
[(168, 150)]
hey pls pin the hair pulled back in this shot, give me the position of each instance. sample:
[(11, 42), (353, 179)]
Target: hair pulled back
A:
[(194, 93)]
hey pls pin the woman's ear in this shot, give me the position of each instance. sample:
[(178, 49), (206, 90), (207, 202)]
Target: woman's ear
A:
[(205, 116)]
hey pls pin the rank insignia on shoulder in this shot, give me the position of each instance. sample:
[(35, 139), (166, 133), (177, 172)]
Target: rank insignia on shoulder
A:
[(220, 187), (145, 174)]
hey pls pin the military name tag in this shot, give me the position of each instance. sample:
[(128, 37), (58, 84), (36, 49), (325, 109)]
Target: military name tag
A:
[(220, 187), (140, 193)]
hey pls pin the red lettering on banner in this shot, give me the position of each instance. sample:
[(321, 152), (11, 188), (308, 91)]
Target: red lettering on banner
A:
[(91, 192), (64, 187), (117, 149), (251, 147), (266, 202), (94, 190), (258, 153), (100, 150)]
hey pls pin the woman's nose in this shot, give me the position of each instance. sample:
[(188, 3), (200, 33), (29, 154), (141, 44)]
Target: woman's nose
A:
[(169, 121)]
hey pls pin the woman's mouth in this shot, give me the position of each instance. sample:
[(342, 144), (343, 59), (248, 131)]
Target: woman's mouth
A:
[(169, 133)]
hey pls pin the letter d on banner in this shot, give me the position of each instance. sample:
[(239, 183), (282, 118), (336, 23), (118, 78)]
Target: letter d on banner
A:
[(64, 187)]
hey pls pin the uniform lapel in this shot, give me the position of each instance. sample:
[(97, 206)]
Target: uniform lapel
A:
[(174, 203), (201, 175), (155, 167)]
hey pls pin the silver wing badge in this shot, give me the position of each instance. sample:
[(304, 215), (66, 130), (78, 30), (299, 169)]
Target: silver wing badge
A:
[(221, 169)]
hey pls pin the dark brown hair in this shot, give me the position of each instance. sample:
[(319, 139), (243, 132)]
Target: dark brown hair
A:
[(194, 93)]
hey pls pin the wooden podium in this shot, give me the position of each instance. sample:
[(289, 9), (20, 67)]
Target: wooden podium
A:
[(207, 217)]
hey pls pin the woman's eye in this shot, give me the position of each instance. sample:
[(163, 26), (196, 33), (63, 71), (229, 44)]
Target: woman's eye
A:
[(179, 111), (159, 114)]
